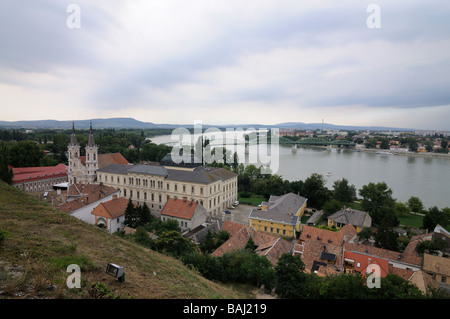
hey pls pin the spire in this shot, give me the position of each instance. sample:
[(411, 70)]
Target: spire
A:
[(91, 137), (73, 137)]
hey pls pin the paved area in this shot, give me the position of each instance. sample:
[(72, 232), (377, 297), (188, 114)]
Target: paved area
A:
[(239, 214)]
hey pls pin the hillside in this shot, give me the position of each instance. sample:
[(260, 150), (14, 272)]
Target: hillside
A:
[(43, 241)]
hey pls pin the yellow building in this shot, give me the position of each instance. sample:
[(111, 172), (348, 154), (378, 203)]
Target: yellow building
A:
[(351, 216), (280, 215)]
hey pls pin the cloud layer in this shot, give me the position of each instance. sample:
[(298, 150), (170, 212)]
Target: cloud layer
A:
[(231, 61)]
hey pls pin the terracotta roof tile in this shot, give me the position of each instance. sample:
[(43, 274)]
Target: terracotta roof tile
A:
[(111, 209), (179, 208)]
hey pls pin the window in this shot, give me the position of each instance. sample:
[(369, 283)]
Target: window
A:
[(444, 279)]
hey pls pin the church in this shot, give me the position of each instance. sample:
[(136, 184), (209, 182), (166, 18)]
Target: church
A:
[(83, 169)]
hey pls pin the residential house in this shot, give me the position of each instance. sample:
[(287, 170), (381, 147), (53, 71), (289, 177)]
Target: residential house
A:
[(83, 198), (321, 250), (439, 269), (440, 232), (280, 215), (111, 214), (266, 244), (189, 214), (346, 216)]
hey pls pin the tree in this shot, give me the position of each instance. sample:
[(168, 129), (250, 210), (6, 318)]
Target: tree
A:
[(6, 174), (344, 192), (290, 276), (131, 215), (386, 238), (401, 208), (415, 204), (314, 189), (433, 217), (25, 154), (378, 202), (172, 243)]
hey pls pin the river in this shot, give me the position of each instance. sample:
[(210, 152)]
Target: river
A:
[(425, 177)]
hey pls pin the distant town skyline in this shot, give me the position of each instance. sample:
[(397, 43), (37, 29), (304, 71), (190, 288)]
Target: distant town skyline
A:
[(355, 63)]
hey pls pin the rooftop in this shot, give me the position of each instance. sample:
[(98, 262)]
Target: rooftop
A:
[(282, 209), (179, 208)]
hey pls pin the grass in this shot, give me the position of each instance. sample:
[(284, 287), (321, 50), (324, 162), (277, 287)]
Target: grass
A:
[(255, 200), (410, 220), (41, 242)]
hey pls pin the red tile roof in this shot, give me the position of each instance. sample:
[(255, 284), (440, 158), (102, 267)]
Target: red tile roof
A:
[(87, 194), (107, 159), (111, 209), (266, 244), (179, 208), (321, 235), (364, 261), (22, 174)]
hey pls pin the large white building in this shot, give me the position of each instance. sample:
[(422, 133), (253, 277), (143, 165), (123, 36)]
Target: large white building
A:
[(214, 188)]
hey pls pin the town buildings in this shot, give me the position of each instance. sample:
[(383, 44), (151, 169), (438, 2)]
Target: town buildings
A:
[(111, 214), (35, 179), (188, 214), (280, 215), (213, 188), (351, 216)]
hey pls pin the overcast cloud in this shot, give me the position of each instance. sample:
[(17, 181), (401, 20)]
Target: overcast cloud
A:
[(227, 61)]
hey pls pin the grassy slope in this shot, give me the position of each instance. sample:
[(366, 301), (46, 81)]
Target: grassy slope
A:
[(42, 241)]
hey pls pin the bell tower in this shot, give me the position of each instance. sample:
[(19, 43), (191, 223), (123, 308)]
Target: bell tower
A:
[(73, 153), (91, 157)]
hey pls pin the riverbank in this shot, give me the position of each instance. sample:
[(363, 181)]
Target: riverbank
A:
[(374, 151)]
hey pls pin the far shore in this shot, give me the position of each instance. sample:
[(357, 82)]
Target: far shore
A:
[(373, 150)]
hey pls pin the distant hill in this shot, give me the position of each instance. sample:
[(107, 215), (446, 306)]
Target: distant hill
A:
[(131, 123), (43, 241)]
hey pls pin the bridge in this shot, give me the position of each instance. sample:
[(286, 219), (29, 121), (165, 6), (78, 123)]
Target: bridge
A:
[(318, 141)]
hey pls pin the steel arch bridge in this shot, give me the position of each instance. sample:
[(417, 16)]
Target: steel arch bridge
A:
[(319, 141)]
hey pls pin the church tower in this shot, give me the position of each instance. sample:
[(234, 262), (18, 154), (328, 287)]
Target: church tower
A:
[(73, 153), (91, 157)]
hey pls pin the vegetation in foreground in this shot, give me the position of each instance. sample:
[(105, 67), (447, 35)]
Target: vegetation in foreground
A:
[(38, 242)]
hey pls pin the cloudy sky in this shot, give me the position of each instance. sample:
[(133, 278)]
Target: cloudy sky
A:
[(227, 61)]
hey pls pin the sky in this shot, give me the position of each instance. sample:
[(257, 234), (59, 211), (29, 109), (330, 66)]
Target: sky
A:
[(357, 62)]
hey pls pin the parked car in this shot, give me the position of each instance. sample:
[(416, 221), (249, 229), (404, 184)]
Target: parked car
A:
[(227, 212), (236, 203)]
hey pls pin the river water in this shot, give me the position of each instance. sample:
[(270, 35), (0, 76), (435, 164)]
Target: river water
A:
[(425, 177)]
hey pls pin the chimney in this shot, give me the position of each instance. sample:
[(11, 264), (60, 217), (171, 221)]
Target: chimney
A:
[(114, 196)]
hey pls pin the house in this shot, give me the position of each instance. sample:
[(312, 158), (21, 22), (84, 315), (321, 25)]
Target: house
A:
[(439, 269), (440, 232), (111, 214), (266, 244), (83, 198), (346, 216), (35, 179), (280, 215), (189, 214), (321, 250)]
